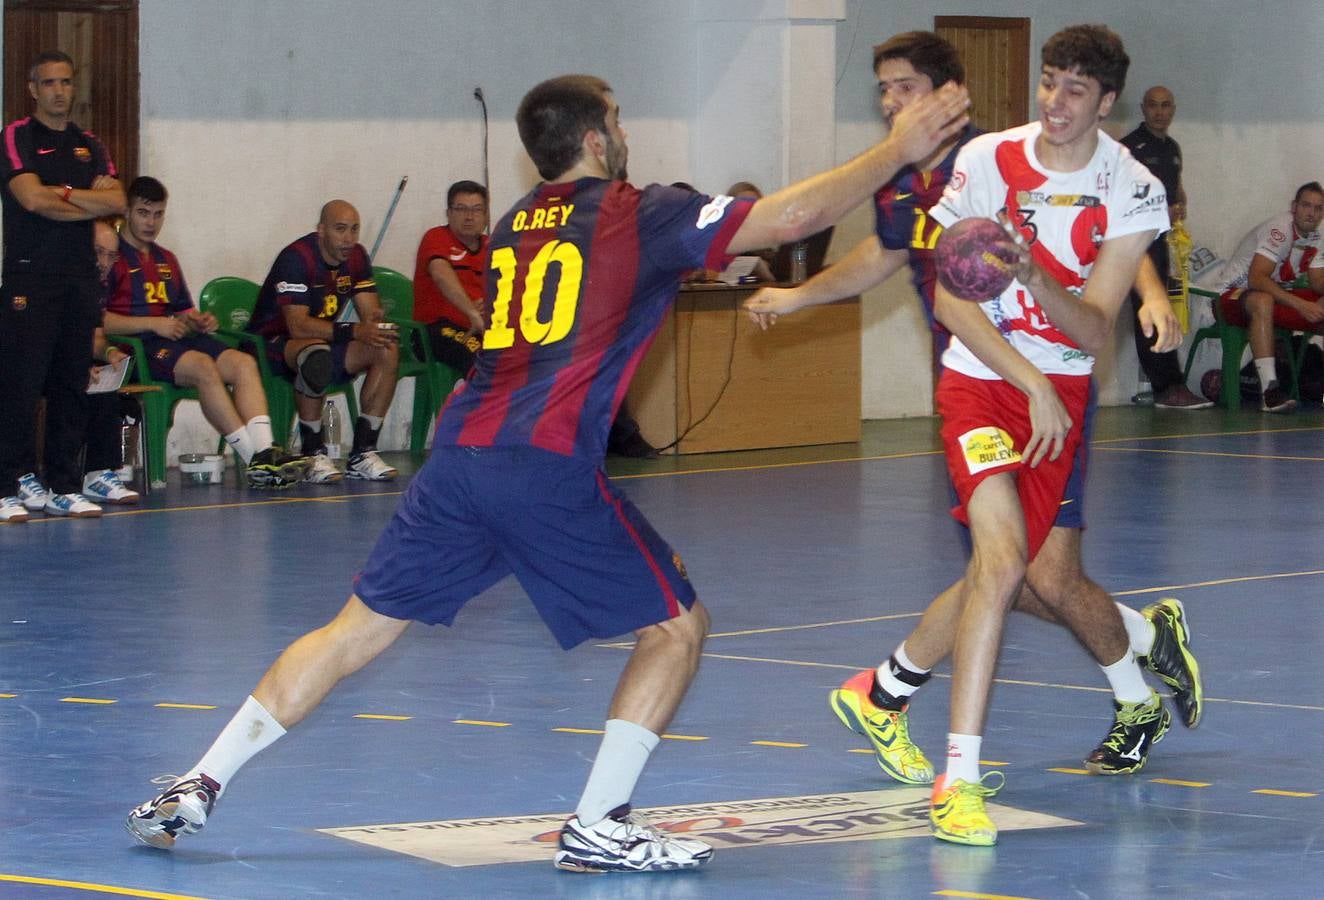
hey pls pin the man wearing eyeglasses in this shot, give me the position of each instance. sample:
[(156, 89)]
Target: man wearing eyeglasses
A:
[(448, 277)]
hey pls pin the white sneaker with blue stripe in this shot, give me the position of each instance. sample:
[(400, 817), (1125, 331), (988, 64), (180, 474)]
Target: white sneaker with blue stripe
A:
[(75, 506), (33, 493), (104, 486)]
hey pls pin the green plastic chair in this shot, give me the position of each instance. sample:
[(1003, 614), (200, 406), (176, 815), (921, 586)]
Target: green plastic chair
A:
[(433, 380), (158, 405), (231, 300), (1234, 339)]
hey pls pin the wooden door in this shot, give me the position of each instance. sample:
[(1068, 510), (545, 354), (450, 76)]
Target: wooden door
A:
[(996, 54), (102, 38)]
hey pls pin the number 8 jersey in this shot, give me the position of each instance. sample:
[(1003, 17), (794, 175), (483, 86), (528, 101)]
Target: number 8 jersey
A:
[(1063, 216), (580, 277)]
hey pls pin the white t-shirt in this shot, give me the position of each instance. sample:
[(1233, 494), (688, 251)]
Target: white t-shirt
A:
[(1278, 241), (1065, 216)]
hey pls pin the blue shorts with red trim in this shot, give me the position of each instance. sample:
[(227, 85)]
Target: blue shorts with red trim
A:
[(163, 354), (587, 558)]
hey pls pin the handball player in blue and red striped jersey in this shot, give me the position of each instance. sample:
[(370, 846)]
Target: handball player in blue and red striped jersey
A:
[(581, 273)]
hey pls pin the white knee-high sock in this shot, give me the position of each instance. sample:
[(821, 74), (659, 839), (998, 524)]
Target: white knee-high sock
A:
[(624, 751), (1126, 679), (251, 731)]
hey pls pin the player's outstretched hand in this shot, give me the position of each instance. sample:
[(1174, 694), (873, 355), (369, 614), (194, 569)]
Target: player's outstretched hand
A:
[(1024, 267), (924, 125), (1050, 421), (768, 303), (1160, 324)]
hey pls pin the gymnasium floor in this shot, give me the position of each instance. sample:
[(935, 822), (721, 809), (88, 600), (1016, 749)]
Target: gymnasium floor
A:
[(441, 771)]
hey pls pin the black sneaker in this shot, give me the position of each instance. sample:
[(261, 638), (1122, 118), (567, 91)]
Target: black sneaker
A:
[(1276, 400), (1171, 659), (1136, 728), (625, 842), (274, 468)]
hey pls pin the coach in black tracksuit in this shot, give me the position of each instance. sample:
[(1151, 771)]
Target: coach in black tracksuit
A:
[(57, 179)]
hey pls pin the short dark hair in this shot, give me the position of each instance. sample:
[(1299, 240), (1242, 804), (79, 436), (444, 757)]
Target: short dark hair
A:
[(928, 53), (553, 117), (147, 189), (1308, 187), (465, 187), (1094, 51), (48, 56)]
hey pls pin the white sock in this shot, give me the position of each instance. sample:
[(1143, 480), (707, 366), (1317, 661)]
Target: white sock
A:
[(375, 423), (1127, 682), (893, 685), (259, 432), (963, 757), (242, 444), (1139, 630), (251, 731), (624, 751), (1267, 370)]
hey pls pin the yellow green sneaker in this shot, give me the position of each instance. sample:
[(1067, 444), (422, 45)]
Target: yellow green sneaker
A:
[(956, 812), (1171, 659), (888, 730)]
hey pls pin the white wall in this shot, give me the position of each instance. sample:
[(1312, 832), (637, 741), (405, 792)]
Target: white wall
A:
[(1246, 120)]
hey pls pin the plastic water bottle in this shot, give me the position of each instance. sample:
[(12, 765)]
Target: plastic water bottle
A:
[(799, 262), (331, 430)]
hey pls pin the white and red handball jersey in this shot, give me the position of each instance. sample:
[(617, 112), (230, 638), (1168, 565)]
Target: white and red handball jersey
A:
[(1291, 253), (1064, 217)]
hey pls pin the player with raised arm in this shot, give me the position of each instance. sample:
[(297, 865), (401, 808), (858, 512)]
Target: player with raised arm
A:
[(874, 703), (582, 272)]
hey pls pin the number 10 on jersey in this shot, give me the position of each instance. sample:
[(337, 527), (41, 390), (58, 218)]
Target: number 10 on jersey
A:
[(500, 333)]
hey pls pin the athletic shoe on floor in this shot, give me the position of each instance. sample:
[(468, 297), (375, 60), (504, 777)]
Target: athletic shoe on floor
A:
[(1178, 396), (956, 811), (13, 510), (182, 809), (274, 468), (888, 730), (1276, 400), (33, 493), (1171, 659), (322, 471), (626, 842), (368, 466), (76, 506), (104, 486), (1136, 728)]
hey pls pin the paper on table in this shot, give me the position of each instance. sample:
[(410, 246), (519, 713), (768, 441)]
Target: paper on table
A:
[(740, 267), (108, 378)]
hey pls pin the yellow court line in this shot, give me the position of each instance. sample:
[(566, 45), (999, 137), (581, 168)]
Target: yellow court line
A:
[(242, 504), (684, 737), (95, 700), (1165, 452), (1070, 771), (993, 762), (99, 888), (1204, 434), (786, 744), (382, 718), (1272, 793), (1179, 783), (1219, 581), (580, 730), (8, 696), (949, 892), (480, 722), (184, 706)]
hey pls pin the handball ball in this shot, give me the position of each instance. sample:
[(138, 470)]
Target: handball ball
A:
[(974, 260), (1211, 385)]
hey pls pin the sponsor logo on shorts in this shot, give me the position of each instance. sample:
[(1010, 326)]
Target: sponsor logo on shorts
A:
[(814, 819), (679, 565), (19, 303), (712, 211), (1069, 355), (987, 447), (289, 287), (82, 154), (42, 151)]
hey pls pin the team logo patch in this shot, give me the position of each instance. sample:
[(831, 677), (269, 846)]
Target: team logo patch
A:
[(987, 447), (814, 819), (679, 565), (162, 354), (1277, 235), (164, 271), (82, 154), (342, 284), (287, 287), (712, 211), (19, 303)]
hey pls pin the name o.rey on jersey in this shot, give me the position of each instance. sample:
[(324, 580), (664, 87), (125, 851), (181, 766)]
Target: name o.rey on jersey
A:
[(1064, 217)]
